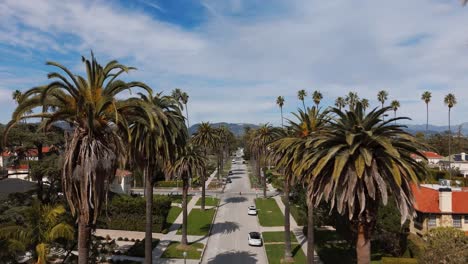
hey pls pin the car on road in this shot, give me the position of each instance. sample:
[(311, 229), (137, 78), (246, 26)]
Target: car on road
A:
[(228, 180), (252, 210), (230, 172), (255, 239)]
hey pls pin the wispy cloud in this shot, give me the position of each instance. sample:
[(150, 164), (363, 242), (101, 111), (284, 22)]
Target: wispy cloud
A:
[(152, 4)]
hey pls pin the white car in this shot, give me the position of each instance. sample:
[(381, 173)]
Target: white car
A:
[(234, 161), (255, 239), (252, 210)]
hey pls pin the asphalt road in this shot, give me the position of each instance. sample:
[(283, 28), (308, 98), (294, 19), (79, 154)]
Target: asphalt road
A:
[(228, 241)]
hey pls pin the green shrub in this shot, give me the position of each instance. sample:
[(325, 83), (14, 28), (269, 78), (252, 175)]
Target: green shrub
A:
[(164, 184), (127, 213), (138, 249), (389, 260), (415, 245)]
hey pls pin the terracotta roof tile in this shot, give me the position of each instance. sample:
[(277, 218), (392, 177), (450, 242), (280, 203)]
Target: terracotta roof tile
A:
[(426, 199)]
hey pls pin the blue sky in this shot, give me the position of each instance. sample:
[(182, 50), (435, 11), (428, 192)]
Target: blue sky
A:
[(234, 57)]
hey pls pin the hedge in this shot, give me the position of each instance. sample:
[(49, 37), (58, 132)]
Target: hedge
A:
[(415, 245), (127, 213), (389, 260), (168, 184)]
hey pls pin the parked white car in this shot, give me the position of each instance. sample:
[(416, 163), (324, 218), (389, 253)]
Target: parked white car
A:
[(252, 210), (255, 239)]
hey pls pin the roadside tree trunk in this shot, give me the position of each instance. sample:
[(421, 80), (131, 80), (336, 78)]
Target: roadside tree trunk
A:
[(84, 235), (203, 179), (310, 228), (149, 216), (287, 225), (264, 184), (363, 245), (184, 210)]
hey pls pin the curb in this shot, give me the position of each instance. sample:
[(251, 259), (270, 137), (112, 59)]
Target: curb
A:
[(209, 232)]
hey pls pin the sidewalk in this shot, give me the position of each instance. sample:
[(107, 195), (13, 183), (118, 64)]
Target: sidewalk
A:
[(295, 229)]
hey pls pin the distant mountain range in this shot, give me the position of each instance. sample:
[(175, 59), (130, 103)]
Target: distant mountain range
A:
[(236, 128), (239, 128)]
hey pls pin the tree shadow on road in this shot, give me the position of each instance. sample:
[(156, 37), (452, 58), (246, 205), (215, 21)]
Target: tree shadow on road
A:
[(236, 199), (234, 257), (224, 228)]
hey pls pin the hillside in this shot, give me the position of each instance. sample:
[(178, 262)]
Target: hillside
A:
[(236, 128)]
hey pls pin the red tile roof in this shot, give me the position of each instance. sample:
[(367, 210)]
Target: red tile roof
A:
[(123, 173), (428, 155), (427, 200)]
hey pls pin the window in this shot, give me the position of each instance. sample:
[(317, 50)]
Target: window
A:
[(432, 221), (457, 221), (466, 219)]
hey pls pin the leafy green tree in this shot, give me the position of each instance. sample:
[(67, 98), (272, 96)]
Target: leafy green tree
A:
[(450, 101), (205, 138), (301, 95), (445, 245), (356, 162), (40, 230), (95, 146), (426, 97), (340, 102), (191, 161), (317, 97)]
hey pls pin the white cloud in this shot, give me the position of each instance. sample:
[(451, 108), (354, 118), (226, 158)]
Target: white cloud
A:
[(332, 46)]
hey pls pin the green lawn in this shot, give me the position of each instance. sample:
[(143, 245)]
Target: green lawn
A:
[(209, 201), (275, 252), (276, 236), (173, 214), (199, 222), (269, 214), (173, 252), (299, 214), (178, 198), (138, 249)]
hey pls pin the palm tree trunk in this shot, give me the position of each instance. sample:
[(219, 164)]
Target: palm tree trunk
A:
[(282, 117), (394, 115), (287, 225), (363, 245), (264, 184), (184, 211), (303, 104), (84, 233), (450, 146), (149, 216), (310, 228), (427, 117), (186, 113), (202, 205)]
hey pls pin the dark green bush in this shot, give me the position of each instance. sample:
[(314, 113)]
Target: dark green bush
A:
[(127, 213), (138, 249), (415, 245), (164, 184), (389, 260)]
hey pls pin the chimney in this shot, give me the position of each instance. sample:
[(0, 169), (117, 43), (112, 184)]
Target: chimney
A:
[(463, 156), (445, 199)]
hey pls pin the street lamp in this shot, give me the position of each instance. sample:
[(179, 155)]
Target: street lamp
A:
[(185, 257)]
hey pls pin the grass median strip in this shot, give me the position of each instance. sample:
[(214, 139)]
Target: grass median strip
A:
[(276, 236), (275, 252), (209, 201), (269, 214), (175, 250), (199, 222)]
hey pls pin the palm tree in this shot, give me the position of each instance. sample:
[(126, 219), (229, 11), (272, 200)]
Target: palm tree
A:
[(280, 103), (382, 97), (395, 104), (184, 99), (42, 226), (351, 99), (340, 102), (301, 95), (156, 139), (450, 101), (205, 138), (176, 94), (365, 103), (98, 121), (289, 149), (317, 97), (191, 161), (356, 163), (223, 137), (16, 95), (426, 97)]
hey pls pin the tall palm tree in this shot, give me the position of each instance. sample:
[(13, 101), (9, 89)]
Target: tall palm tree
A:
[(99, 127), (317, 97), (288, 151), (156, 139), (43, 225), (340, 102), (176, 94), (191, 161), (382, 97), (205, 138), (426, 97), (365, 103), (450, 101), (351, 100), (301, 95), (395, 104), (356, 163), (184, 99), (280, 103), (223, 137), (16, 95)]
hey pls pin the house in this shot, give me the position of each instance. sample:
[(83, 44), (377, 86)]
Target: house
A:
[(457, 161), (433, 158), (439, 205), (122, 182), (21, 170)]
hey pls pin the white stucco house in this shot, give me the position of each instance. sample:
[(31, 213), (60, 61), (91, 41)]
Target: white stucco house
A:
[(456, 161)]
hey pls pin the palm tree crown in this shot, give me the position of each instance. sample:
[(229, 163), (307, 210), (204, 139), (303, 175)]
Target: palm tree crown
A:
[(365, 103), (426, 97), (351, 100), (382, 97), (340, 102), (317, 97), (280, 101), (450, 100), (301, 95)]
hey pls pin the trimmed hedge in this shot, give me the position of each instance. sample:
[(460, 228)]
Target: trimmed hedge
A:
[(389, 260), (415, 245), (127, 213), (165, 184)]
